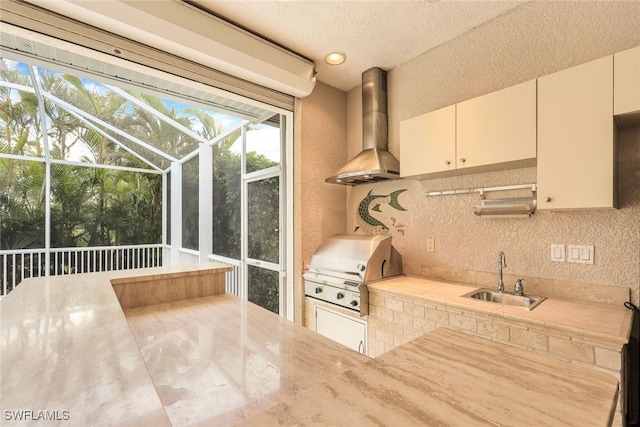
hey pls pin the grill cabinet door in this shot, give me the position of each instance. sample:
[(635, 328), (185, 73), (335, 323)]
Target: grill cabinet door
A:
[(346, 330)]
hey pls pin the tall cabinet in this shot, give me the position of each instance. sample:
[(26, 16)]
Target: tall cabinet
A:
[(576, 141)]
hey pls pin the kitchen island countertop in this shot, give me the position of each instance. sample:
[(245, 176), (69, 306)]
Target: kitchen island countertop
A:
[(69, 352), (68, 347)]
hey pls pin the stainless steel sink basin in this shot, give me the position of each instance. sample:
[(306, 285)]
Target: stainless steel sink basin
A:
[(527, 302)]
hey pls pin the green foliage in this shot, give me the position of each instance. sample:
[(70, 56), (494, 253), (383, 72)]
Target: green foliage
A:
[(227, 167), (264, 288), (21, 204), (191, 204), (264, 219)]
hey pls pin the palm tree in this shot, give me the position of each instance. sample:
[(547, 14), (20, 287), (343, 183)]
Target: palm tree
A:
[(63, 127), (110, 108), (21, 182), (19, 117)]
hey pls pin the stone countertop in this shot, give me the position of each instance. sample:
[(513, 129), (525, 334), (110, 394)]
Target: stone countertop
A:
[(68, 350), (449, 377), (582, 318), (219, 360), (66, 346)]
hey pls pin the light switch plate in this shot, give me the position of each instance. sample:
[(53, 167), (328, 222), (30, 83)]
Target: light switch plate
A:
[(557, 252), (580, 254)]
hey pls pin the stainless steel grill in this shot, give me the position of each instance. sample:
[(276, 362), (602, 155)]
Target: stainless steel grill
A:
[(344, 264)]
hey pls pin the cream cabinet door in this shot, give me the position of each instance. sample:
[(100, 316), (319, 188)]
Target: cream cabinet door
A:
[(626, 83), (576, 163), (346, 330), (498, 127), (428, 142)]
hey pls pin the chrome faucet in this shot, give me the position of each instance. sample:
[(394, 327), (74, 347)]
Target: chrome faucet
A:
[(518, 288), (501, 263)]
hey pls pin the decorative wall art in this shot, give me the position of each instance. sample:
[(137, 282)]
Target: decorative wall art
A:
[(369, 209)]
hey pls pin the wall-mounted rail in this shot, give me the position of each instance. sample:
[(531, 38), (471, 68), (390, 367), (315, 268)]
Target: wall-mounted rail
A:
[(480, 190), (521, 207)]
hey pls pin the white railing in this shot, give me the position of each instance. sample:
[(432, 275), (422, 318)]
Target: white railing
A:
[(20, 264), (188, 256), (232, 278)]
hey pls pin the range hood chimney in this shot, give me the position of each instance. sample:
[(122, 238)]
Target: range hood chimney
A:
[(374, 163)]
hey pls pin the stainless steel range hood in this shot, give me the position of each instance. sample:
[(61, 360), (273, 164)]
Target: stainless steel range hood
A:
[(374, 163)]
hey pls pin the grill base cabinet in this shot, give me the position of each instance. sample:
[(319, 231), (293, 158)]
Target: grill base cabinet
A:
[(346, 330)]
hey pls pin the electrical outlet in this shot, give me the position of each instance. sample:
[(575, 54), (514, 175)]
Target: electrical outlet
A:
[(581, 254), (557, 252), (431, 245)]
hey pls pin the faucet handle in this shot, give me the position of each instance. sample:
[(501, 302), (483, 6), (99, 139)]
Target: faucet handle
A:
[(518, 288)]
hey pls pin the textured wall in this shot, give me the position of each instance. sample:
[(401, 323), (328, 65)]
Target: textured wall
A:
[(491, 57), (321, 150)]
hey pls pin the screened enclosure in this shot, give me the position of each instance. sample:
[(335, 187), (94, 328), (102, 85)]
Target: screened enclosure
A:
[(101, 174)]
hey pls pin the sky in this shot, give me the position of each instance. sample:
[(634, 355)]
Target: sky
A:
[(265, 140)]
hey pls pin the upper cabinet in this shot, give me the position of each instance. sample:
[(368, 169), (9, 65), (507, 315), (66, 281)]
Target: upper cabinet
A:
[(576, 144), (568, 131), (497, 128), (626, 95), (428, 143)]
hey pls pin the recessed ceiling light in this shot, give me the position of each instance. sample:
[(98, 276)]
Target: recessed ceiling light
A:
[(335, 58)]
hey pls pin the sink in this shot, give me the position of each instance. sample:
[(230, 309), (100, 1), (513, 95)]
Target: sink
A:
[(527, 302)]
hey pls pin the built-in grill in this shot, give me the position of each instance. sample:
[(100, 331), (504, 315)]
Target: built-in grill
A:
[(344, 264)]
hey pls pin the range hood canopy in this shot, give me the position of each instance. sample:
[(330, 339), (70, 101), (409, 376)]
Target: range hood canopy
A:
[(374, 163)]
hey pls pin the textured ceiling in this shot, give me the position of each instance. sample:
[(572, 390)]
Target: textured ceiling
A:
[(371, 33)]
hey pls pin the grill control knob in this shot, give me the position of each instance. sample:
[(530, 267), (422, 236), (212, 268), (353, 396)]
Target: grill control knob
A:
[(340, 295), (353, 303), (360, 267), (318, 290)]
